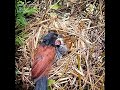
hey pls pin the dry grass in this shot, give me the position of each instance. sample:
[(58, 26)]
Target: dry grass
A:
[(84, 67)]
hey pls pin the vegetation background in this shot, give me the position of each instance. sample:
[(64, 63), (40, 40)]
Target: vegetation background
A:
[(82, 23)]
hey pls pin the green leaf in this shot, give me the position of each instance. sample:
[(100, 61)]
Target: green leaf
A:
[(50, 82), (55, 6), (30, 11), (16, 71), (20, 11), (21, 20), (49, 88), (19, 40), (20, 3)]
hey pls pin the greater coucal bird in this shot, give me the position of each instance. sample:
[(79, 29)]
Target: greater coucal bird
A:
[(51, 48)]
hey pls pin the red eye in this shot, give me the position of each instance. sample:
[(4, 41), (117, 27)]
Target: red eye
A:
[(57, 42)]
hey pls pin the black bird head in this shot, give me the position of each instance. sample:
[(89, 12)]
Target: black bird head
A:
[(53, 39), (50, 39)]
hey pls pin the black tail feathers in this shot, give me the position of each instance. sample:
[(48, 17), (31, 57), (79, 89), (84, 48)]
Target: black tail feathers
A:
[(42, 84)]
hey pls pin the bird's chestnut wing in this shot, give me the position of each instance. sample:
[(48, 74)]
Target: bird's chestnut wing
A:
[(43, 59)]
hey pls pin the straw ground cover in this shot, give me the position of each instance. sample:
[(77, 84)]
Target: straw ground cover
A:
[(82, 24)]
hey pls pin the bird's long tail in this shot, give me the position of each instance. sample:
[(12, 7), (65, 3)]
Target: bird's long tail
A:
[(42, 83)]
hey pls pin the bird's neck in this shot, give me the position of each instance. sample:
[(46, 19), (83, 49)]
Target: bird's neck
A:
[(42, 83)]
